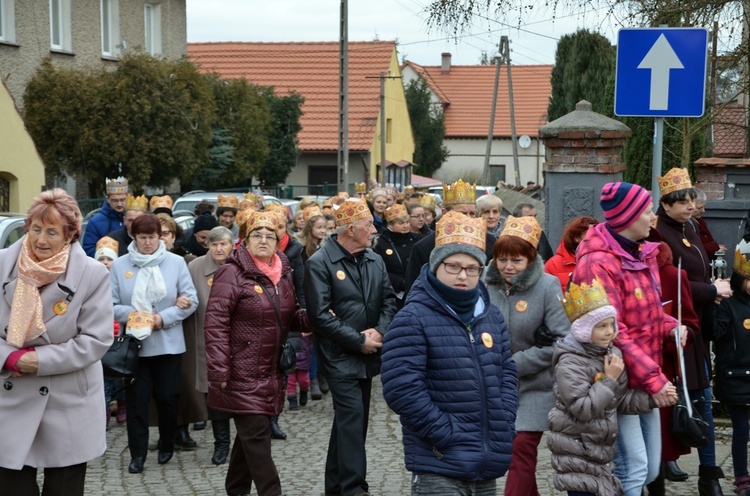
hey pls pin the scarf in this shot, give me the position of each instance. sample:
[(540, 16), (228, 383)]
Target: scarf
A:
[(283, 243), (271, 270), (630, 246), (26, 313), (149, 285), (462, 301)]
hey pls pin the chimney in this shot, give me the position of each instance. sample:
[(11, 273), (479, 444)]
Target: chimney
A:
[(445, 65)]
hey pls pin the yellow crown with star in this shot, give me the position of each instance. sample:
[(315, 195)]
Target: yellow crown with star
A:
[(741, 264), (459, 193), (351, 211), (396, 211), (674, 180), (139, 203), (116, 186), (427, 201), (160, 202), (580, 300), (229, 201), (526, 228), (455, 227), (360, 188), (310, 212)]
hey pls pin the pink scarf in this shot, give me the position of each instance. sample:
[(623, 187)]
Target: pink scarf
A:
[(26, 313), (272, 270)]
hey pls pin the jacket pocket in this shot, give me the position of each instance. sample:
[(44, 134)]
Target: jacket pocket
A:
[(738, 373), (83, 382)]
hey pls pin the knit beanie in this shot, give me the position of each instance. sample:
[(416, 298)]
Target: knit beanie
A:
[(623, 203), (581, 327), (440, 253), (205, 222)]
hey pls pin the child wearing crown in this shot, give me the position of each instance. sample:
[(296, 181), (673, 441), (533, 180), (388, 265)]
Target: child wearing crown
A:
[(591, 386), (732, 349)]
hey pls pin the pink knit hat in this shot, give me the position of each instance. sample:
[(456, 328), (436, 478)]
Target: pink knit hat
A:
[(623, 203), (581, 327)]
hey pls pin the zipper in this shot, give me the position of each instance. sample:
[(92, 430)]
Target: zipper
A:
[(471, 333)]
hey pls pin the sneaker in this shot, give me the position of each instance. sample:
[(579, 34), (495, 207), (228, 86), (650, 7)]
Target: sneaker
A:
[(303, 398)]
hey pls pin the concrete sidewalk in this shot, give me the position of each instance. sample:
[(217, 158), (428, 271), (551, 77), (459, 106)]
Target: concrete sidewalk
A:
[(301, 459)]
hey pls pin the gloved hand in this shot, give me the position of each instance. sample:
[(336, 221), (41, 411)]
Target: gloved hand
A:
[(544, 337)]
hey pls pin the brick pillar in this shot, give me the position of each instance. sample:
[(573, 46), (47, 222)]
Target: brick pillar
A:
[(583, 151)]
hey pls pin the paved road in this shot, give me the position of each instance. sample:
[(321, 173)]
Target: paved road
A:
[(301, 459)]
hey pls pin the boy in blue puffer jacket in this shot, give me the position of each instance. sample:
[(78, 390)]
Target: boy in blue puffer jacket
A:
[(447, 370)]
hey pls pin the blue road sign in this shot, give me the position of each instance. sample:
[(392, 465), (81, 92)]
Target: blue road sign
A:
[(661, 72)]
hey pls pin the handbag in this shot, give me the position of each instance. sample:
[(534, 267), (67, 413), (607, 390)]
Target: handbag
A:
[(688, 425), (121, 359), (288, 356)]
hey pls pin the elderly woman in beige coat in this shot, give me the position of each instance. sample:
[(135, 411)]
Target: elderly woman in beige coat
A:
[(219, 241), (55, 325)]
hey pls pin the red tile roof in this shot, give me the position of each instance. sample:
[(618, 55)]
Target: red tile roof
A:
[(312, 70), (730, 132), (466, 93)]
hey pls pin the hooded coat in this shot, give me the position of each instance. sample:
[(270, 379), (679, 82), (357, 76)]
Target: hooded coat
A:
[(561, 265), (532, 301), (453, 386), (583, 422), (101, 224)]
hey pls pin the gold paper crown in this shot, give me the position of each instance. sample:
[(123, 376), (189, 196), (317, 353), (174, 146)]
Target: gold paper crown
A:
[(391, 191), (459, 193), (396, 211), (674, 180), (229, 201), (360, 188), (245, 204), (580, 300), (310, 212), (351, 211), (141, 319), (378, 192), (160, 202), (526, 228), (258, 220), (139, 203), (741, 264), (427, 201), (408, 190), (256, 199), (107, 242), (455, 227), (243, 216), (116, 186), (275, 207)]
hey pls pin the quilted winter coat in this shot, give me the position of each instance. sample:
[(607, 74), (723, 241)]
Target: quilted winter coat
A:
[(583, 423), (243, 339), (732, 347), (453, 387)]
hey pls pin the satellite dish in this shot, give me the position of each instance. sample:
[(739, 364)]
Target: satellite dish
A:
[(524, 141)]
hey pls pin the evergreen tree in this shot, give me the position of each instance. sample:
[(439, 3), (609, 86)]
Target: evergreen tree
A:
[(429, 129), (285, 126)]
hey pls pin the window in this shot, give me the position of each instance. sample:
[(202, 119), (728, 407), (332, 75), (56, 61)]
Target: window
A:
[(7, 21), (152, 21), (59, 25), (388, 130), (110, 10), (497, 173)]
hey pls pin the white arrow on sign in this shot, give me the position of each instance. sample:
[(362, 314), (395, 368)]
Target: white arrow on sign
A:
[(661, 59)]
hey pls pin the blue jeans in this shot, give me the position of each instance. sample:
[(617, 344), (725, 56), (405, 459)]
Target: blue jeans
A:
[(707, 454), (637, 451), (740, 435)]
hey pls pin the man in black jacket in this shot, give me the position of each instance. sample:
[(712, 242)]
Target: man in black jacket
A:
[(350, 303)]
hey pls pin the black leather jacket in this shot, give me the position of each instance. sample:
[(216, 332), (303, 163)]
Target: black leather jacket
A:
[(346, 295)]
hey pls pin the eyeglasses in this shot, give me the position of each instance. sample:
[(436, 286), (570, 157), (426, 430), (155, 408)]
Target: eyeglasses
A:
[(455, 269), (418, 216), (258, 237)]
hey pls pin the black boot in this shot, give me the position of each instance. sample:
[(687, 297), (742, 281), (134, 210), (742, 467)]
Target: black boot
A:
[(183, 439), (221, 441), (673, 472), (656, 488), (708, 481), (276, 432)]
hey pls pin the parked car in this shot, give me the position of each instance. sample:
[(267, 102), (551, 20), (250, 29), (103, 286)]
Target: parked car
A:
[(188, 201), (11, 228)]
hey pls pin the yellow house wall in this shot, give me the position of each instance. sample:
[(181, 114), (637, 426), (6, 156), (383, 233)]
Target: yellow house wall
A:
[(20, 164), (402, 142)]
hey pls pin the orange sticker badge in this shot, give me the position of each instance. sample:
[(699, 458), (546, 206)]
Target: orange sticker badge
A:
[(686, 242), (210, 281), (487, 339), (389, 252), (521, 306), (340, 275), (746, 324), (129, 274), (599, 377), (638, 294), (258, 289), (60, 307)]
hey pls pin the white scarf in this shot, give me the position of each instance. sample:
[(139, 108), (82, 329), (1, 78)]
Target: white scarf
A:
[(149, 283)]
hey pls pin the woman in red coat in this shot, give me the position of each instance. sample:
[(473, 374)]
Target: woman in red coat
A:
[(563, 262), (250, 310)]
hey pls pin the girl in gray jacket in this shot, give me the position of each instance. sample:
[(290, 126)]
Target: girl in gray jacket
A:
[(591, 386)]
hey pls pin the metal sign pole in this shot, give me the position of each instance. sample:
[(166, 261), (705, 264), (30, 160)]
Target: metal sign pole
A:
[(656, 162)]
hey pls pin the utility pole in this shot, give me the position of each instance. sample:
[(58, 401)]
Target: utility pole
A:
[(382, 128), (343, 158), (513, 137), (490, 132)]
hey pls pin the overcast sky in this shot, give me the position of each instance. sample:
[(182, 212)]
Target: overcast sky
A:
[(534, 42)]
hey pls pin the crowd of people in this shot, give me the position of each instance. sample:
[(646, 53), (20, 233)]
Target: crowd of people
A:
[(486, 338)]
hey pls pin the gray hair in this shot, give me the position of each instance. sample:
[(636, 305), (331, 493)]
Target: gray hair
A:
[(219, 233), (518, 210), (488, 202), (700, 195)]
